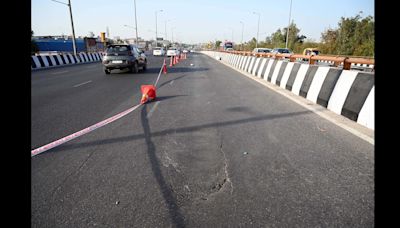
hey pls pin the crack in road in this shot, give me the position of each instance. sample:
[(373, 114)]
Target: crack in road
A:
[(220, 184)]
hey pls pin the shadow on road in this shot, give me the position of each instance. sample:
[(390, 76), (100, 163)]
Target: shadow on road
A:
[(170, 201), (183, 129)]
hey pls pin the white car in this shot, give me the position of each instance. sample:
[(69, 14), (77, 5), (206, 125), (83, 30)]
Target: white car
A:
[(158, 51), (172, 52)]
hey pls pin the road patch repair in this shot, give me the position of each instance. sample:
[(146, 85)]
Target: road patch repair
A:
[(148, 94)]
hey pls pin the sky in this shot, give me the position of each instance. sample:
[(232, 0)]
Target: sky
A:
[(192, 21)]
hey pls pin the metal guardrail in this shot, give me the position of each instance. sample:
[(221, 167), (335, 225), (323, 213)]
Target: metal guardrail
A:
[(312, 59)]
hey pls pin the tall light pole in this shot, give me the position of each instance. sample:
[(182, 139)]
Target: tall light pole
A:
[(72, 24), (290, 14), (137, 38), (156, 25), (258, 26), (242, 34), (172, 32)]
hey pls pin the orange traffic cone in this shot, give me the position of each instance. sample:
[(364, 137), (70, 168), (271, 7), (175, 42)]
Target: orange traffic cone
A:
[(171, 63), (148, 93), (164, 68)]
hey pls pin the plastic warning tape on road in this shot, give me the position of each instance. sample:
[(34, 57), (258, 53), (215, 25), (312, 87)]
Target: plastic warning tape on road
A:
[(82, 132), (88, 129)]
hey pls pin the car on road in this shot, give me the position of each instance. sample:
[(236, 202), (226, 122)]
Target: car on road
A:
[(124, 56), (173, 52), (158, 51), (261, 50), (282, 51), (185, 51)]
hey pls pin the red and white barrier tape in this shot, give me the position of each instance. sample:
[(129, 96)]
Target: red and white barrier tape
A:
[(88, 129), (82, 132)]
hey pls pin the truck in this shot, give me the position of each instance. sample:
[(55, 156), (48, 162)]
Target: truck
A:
[(225, 45)]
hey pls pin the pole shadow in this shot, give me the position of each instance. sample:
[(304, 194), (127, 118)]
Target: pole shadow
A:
[(173, 209)]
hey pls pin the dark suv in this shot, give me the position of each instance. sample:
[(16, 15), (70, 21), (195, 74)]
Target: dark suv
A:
[(121, 56)]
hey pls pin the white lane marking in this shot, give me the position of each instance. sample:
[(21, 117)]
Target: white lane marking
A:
[(61, 72), (172, 82), (82, 83), (152, 110)]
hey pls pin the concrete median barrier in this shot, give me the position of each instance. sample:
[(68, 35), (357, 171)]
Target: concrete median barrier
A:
[(52, 60), (348, 93)]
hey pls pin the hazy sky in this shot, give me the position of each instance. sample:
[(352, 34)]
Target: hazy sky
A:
[(192, 21)]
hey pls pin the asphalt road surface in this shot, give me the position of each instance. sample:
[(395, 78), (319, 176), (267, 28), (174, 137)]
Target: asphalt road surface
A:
[(215, 149)]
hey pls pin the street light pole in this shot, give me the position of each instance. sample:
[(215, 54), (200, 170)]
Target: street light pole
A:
[(172, 32), (137, 41), (72, 23), (258, 27), (156, 25), (287, 34)]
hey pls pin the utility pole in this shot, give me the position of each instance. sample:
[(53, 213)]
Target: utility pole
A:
[(137, 38), (290, 14), (72, 23), (258, 27)]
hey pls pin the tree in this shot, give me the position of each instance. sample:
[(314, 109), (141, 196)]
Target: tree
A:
[(329, 38), (278, 39), (34, 47), (217, 44), (354, 36)]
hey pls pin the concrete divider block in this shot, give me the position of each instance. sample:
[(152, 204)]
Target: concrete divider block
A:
[(357, 95), (271, 70), (366, 116), (280, 73), (286, 74), (341, 91), (292, 76), (276, 71), (300, 78), (305, 86), (316, 83), (261, 68), (255, 66)]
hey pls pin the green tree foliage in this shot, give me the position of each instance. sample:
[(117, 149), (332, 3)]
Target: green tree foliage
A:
[(329, 38), (217, 44), (34, 47), (354, 36)]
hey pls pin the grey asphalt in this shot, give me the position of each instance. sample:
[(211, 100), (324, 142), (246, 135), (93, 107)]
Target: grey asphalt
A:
[(215, 149)]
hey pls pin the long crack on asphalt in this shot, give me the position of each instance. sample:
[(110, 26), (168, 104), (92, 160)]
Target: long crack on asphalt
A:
[(220, 184)]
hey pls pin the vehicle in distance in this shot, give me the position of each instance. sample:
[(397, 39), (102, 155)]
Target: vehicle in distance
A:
[(225, 45), (261, 50), (172, 52), (124, 56), (158, 51), (282, 51), (185, 51), (311, 51)]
